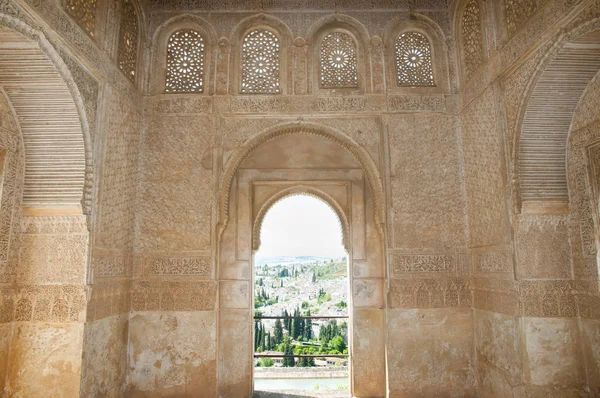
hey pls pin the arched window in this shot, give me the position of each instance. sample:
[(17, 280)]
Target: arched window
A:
[(338, 61), (185, 62), (414, 66), (128, 39), (472, 38), (84, 12), (260, 63)]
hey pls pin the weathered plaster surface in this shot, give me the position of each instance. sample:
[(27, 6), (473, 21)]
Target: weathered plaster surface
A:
[(104, 349), (497, 347), (45, 360), (447, 365), (172, 354), (553, 353), (590, 332), (5, 336)]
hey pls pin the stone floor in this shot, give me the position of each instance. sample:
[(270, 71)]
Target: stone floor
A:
[(301, 394)]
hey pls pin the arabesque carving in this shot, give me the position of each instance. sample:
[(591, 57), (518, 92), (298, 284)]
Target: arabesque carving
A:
[(371, 173)]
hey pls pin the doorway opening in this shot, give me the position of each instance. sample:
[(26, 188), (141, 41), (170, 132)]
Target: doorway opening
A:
[(301, 301)]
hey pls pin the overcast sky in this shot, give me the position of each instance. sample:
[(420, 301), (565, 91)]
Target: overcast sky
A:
[(301, 226)]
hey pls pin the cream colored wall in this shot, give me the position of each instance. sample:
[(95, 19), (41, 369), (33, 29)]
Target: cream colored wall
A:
[(527, 283), (457, 252), (10, 142)]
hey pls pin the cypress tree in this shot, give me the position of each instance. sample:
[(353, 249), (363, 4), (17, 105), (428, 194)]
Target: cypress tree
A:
[(308, 327), (278, 332)]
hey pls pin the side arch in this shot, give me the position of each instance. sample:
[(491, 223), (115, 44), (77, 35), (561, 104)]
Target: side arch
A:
[(295, 191), (51, 111), (545, 117), (360, 154)]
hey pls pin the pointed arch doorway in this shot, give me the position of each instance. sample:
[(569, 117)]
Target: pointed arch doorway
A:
[(273, 164)]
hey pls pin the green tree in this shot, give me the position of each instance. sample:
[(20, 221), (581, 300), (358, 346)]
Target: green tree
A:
[(308, 327), (337, 344), (278, 332), (288, 362)]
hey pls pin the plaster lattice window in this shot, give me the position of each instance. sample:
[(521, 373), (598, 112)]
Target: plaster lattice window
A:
[(185, 62), (260, 63), (472, 37), (338, 61), (84, 12), (128, 39), (413, 60)]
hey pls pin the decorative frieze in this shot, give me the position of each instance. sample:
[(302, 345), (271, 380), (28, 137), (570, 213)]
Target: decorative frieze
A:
[(497, 261), (496, 295), (108, 298), (530, 298), (173, 296), (187, 104), (44, 303), (423, 263), (544, 298), (430, 293), (199, 266), (111, 265)]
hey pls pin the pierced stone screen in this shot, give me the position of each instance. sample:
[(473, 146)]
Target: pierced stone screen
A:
[(84, 12), (413, 60), (260, 63), (185, 62), (338, 61), (128, 39)]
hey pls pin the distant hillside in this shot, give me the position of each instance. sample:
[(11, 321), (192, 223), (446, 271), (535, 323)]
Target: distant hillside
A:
[(290, 260)]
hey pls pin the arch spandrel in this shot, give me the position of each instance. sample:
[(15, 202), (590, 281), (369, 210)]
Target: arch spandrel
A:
[(364, 159)]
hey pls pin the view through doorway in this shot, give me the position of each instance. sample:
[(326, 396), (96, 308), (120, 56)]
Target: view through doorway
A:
[(301, 302)]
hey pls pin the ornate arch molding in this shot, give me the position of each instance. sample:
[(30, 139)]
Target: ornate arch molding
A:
[(295, 191), (368, 165), (457, 26), (77, 188), (360, 34), (273, 24), (159, 49), (541, 110), (431, 30)]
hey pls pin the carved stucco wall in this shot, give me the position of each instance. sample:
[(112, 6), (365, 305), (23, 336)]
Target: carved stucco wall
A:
[(453, 240), (524, 280), (11, 191)]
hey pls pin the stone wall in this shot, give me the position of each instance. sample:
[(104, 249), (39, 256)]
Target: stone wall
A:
[(12, 166), (147, 291), (525, 258)]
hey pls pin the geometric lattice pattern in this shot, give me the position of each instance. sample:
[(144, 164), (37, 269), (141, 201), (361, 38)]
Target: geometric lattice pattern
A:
[(128, 39), (185, 62), (413, 60), (260, 63), (84, 12), (517, 12), (338, 61), (472, 38)]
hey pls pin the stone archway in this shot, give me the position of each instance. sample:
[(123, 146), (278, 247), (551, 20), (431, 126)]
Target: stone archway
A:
[(275, 164), (46, 197)]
